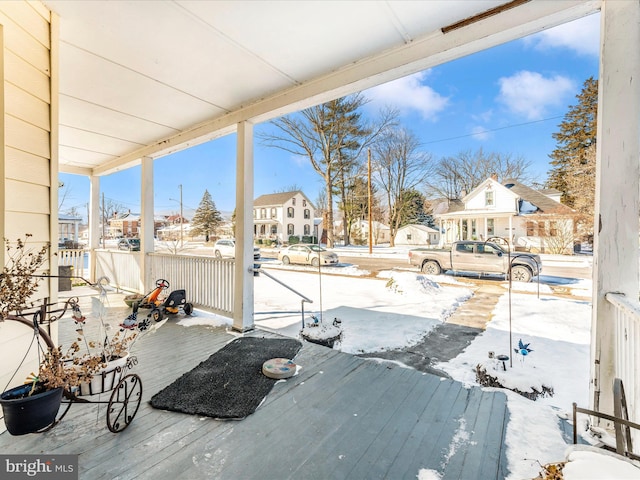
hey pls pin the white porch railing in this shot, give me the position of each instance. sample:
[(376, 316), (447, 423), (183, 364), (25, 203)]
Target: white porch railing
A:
[(627, 354), (208, 281), (74, 257), (122, 269)]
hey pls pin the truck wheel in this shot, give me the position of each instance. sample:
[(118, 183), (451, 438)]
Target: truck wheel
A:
[(431, 268), (520, 273)]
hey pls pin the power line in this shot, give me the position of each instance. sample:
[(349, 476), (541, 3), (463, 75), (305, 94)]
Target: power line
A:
[(492, 130)]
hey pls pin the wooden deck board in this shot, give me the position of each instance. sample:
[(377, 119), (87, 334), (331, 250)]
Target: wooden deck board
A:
[(340, 417)]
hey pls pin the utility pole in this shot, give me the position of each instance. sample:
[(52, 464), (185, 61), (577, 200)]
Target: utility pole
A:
[(369, 201)]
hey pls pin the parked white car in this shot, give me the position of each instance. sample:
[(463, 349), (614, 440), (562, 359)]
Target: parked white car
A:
[(307, 254), (227, 248)]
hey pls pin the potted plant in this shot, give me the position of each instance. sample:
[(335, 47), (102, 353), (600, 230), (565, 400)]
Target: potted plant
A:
[(114, 355), (33, 406)]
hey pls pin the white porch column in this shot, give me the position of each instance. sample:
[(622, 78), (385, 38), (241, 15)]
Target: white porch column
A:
[(95, 221), (243, 287), (615, 266), (147, 223)]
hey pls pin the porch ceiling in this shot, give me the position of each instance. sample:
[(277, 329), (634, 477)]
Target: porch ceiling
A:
[(146, 78)]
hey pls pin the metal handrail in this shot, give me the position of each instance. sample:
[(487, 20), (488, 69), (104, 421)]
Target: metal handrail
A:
[(304, 298)]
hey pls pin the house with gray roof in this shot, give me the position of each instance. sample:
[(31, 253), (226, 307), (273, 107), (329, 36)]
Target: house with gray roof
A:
[(278, 216), (525, 218)]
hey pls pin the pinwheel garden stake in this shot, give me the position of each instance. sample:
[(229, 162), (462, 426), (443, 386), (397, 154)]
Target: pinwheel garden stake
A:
[(523, 350)]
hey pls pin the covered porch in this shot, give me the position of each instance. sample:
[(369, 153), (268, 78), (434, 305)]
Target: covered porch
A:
[(341, 417), (79, 98)]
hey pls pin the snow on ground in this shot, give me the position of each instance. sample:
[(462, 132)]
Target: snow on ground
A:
[(397, 309), (376, 314)]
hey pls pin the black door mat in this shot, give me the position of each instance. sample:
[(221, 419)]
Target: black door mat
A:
[(230, 383)]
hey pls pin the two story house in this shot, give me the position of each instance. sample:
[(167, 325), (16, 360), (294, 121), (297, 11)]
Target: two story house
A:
[(526, 218), (278, 216)]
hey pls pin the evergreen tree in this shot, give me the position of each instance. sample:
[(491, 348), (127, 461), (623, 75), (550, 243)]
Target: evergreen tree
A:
[(576, 142), (415, 209), (207, 218)]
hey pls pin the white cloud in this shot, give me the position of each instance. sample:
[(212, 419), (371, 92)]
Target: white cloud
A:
[(530, 94), (581, 36), (409, 94), (480, 133)]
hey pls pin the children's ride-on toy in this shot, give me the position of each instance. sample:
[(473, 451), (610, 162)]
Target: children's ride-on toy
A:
[(172, 304)]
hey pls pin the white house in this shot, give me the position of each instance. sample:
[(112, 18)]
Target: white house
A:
[(278, 216), (417, 235), (521, 215), (381, 233)]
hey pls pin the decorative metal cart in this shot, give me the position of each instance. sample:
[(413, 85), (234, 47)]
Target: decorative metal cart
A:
[(126, 388)]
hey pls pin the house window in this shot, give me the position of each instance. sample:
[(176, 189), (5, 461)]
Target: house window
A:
[(274, 229), (255, 213), (263, 213), (531, 228), (490, 229), (307, 229), (290, 229), (304, 203), (293, 201), (474, 232), (273, 213), (307, 213), (262, 230), (408, 236), (488, 198), (290, 212), (553, 228)]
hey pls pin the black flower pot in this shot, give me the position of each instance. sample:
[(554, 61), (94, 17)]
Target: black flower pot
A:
[(28, 414)]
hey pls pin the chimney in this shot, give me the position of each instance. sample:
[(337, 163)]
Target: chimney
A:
[(494, 176)]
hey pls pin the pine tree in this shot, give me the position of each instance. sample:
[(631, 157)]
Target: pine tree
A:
[(207, 218), (576, 142)]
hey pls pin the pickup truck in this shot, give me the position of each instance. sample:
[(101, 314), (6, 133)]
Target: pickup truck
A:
[(474, 256)]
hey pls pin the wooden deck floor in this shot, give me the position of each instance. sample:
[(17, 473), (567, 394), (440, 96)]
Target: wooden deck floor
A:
[(340, 417)]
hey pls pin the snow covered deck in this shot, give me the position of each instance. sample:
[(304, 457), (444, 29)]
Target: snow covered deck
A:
[(340, 417)]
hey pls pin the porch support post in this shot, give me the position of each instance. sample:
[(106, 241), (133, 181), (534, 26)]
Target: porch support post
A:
[(615, 266), (511, 231), (243, 286), (95, 222), (147, 223)]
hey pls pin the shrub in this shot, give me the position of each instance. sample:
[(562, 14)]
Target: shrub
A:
[(293, 239)]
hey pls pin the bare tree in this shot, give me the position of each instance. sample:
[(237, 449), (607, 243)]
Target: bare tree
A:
[(556, 232), (294, 187), (398, 167), (453, 177), (331, 135)]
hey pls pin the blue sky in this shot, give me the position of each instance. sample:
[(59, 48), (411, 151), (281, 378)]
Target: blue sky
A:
[(509, 99)]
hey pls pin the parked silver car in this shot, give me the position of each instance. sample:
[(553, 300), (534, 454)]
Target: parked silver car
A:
[(130, 244), (307, 254), (227, 248)]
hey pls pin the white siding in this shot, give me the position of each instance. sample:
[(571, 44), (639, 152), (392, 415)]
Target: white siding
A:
[(28, 168), (503, 199)]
